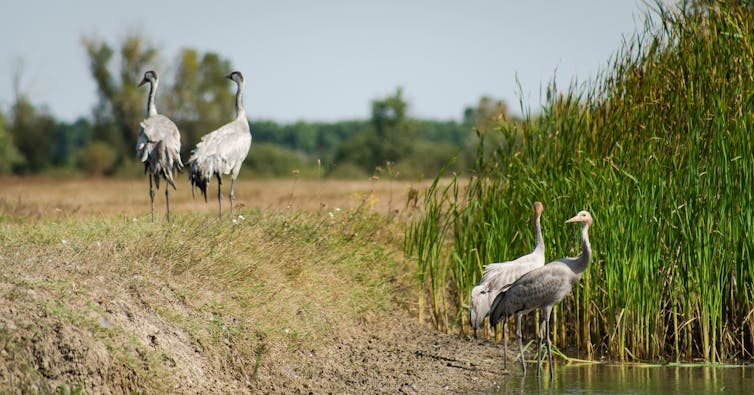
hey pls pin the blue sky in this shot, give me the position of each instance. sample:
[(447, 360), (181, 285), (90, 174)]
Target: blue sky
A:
[(325, 60)]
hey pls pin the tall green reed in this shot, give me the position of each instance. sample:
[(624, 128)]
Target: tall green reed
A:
[(659, 148)]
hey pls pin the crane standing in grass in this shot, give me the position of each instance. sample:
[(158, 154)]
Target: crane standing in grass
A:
[(543, 288), (158, 145), (222, 151), (498, 276)]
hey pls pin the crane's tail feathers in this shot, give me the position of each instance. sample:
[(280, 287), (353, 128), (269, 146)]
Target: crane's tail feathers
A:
[(198, 178), (178, 163), (160, 161), (496, 310)]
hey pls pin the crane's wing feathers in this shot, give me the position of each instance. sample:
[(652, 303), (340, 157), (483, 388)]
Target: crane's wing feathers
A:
[(498, 275), (224, 149), (220, 152), (159, 147), (547, 285)]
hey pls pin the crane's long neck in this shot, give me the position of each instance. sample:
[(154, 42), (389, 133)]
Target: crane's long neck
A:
[(539, 243), (151, 108), (240, 111), (586, 251)]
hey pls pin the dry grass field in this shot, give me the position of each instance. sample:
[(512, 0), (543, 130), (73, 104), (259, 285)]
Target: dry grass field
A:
[(291, 298), (49, 197)]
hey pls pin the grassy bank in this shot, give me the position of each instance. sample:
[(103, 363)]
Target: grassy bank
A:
[(112, 304), (658, 148)]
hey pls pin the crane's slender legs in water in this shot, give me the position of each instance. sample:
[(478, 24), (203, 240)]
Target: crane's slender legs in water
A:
[(540, 338), (219, 196), (520, 341), (232, 195), (545, 326), (151, 196), (548, 310)]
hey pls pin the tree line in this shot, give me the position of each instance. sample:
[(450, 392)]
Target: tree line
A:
[(32, 141)]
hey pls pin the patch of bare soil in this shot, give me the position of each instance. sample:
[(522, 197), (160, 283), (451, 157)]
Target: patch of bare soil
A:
[(396, 356)]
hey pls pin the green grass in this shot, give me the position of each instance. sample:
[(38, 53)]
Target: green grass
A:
[(658, 147)]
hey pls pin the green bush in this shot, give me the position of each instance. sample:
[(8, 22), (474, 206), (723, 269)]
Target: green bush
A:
[(97, 158), (347, 170), (271, 160)]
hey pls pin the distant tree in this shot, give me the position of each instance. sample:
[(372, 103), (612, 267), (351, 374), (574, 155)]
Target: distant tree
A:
[(97, 158), (390, 137), (33, 134), (196, 97), (121, 102), (273, 160), (451, 132), (201, 99), (486, 113), (69, 139), (10, 157)]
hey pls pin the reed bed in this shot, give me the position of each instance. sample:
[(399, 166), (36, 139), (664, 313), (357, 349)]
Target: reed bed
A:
[(658, 147)]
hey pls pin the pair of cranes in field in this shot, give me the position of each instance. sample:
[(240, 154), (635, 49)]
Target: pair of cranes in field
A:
[(219, 152), (526, 283)]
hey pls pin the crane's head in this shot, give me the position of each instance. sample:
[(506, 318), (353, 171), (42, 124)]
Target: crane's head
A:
[(235, 76), (583, 217), (539, 208), (479, 306), (149, 76)]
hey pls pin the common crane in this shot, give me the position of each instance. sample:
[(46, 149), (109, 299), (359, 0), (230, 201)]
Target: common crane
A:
[(158, 145), (222, 151)]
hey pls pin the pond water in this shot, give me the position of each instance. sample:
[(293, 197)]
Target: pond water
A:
[(630, 379)]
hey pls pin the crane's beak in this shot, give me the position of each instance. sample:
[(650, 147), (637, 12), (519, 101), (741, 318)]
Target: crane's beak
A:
[(229, 76), (143, 81), (574, 219)]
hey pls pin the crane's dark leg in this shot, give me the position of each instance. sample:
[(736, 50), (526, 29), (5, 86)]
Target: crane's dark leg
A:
[(505, 342), (167, 199), (219, 196), (151, 196), (520, 341), (548, 310), (232, 195)]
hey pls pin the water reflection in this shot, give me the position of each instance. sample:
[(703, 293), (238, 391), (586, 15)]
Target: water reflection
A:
[(630, 379)]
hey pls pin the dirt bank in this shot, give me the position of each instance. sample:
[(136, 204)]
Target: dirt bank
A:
[(43, 351)]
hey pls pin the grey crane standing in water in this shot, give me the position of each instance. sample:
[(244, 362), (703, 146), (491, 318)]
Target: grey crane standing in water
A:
[(158, 145), (499, 276), (543, 288), (222, 151)]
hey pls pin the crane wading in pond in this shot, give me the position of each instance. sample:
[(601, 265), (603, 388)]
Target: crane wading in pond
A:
[(222, 151), (543, 288), (158, 145), (499, 276)]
